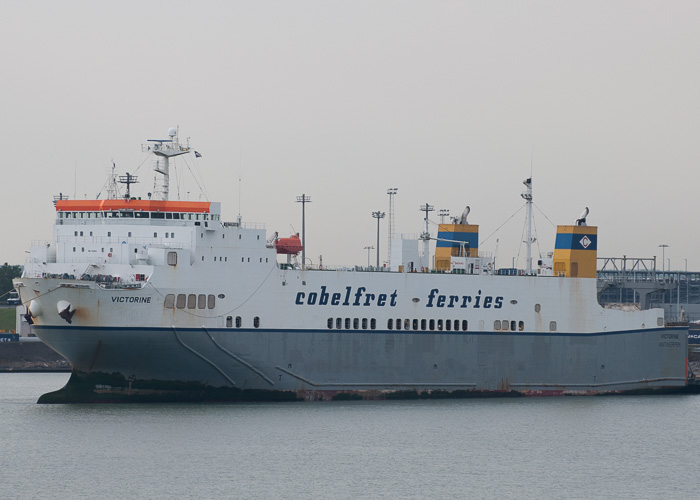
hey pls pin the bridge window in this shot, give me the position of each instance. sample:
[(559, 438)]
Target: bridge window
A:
[(202, 301), (211, 301), (191, 301)]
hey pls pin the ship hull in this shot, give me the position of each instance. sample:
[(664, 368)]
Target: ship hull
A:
[(170, 364)]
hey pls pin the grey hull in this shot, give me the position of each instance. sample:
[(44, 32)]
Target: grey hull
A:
[(161, 363)]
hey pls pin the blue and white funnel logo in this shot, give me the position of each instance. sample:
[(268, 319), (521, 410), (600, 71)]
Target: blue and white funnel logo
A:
[(585, 242)]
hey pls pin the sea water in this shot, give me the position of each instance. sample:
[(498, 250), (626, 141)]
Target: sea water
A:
[(572, 447)]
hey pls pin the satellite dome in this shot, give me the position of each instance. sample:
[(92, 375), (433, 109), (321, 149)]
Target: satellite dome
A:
[(172, 131)]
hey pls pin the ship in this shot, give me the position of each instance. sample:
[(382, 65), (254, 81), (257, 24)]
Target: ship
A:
[(162, 300)]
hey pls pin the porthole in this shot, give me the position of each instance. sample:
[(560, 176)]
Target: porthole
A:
[(339, 323), (390, 324), (537, 308), (191, 301), (239, 321), (356, 323), (423, 324), (256, 322), (364, 323), (229, 321), (497, 325), (415, 324), (221, 295), (521, 325), (513, 301), (347, 323), (552, 326), (373, 324), (330, 323), (448, 325), (432, 325), (512, 326), (465, 325)]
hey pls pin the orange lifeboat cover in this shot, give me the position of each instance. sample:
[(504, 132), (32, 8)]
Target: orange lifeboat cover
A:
[(289, 246)]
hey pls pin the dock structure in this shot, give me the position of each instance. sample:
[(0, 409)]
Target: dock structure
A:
[(634, 280)]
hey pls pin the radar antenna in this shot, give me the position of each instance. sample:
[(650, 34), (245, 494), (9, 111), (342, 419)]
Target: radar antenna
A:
[(166, 149), (128, 179)]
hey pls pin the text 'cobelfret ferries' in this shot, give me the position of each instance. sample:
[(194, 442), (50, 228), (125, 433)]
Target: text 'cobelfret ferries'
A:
[(361, 297), (132, 300)]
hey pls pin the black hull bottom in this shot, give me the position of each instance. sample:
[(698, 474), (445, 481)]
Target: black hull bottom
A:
[(94, 388)]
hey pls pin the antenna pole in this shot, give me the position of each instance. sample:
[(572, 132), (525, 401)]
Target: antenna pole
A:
[(527, 196), (426, 235)]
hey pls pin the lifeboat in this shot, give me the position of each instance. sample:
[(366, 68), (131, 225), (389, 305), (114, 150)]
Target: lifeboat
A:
[(289, 246)]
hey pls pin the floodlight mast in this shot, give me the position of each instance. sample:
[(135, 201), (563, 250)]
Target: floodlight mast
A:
[(166, 149)]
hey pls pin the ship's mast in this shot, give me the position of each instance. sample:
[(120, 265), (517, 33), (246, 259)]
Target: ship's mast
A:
[(165, 148), (527, 195)]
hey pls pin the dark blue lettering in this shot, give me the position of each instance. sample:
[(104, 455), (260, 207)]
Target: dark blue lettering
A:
[(358, 294), (487, 302), (335, 299), (453, 299), (381, 300), (324, 297), (499, 302), (347, 296), (393, 298), (441, 301), (299, 301), (311, 300), (431, 296), (369, 298)]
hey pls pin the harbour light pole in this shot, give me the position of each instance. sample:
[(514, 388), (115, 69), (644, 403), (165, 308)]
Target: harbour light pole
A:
[(378, 215), (303, 199), (368, 250)]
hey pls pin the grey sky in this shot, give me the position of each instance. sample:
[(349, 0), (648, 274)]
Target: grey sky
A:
[(445, 100)]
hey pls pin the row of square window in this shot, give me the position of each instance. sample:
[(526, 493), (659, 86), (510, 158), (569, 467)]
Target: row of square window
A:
[(355, 323), (138, 215), (431, 324), (109, 234), (190, 301), (225, 259)]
